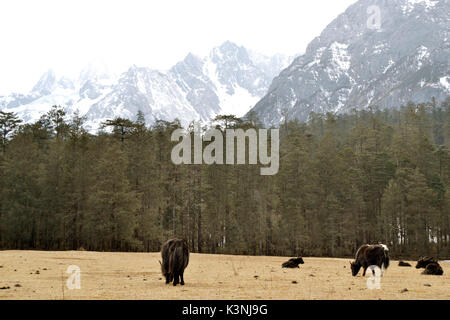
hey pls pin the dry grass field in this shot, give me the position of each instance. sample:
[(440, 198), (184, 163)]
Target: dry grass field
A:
[(42, 275)]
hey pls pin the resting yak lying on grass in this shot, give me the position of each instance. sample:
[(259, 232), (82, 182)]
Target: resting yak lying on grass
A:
[(404, 264), (293, 263), (431, 266)]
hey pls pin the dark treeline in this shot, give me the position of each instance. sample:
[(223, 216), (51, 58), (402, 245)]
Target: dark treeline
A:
[(344, 180)]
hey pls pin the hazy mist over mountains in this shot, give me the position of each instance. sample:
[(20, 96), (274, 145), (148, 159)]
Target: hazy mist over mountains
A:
[(348, 66), (231, 80)]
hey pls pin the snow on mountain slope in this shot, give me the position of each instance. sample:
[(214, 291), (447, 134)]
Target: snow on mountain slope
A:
[(230, 80), (352, 66)]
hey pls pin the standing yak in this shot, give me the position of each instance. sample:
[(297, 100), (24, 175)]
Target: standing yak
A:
[(369, 255), (175, 258)]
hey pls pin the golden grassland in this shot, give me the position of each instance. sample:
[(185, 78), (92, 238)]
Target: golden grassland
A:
[(105, 275)]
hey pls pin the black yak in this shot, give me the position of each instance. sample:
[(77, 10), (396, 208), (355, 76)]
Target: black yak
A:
[(293, 263), (424, 261), (404, 264), (431, 266), (434, 269), (175, 258), (369, 255)]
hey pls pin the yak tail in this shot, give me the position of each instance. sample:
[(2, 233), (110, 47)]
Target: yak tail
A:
[(173, 261), (183, 254), (176, 259), (385, 263)]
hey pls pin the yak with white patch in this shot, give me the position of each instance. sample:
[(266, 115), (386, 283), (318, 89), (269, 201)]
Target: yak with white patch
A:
[(370, 255), (175, 258)]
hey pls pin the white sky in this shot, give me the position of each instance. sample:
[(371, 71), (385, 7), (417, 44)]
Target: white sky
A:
[(66, 35)]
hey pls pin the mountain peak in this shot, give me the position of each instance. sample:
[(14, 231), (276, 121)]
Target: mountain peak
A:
[(230, 52), (228, 45), (95, 70), (192, 59), (46, 83)]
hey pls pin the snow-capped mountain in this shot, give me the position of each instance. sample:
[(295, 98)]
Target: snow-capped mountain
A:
[(230, 80), (355, 63)]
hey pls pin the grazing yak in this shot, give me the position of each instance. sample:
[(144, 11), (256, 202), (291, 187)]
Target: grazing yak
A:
[(175, 258), (404, 264), (431, 266), (293, 263), (369, 255)]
